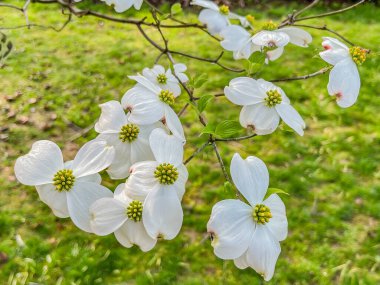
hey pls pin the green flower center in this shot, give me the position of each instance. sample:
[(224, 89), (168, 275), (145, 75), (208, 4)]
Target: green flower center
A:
[(261, 214), (129, 133), (224, 9), (273, 98), (167, 97), (358, 54), (64, 180), (134, 210), (161, 78), (270, 26), (166, 173)]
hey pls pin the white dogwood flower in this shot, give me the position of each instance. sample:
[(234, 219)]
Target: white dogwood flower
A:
[(123, 5), (68, 188), (122, 216), (131, 141), (165, 79), (179, 71), (263, 105), (215, 17), (272, 42), (344, 79), (161, 185), (249, 233), (149, 103)]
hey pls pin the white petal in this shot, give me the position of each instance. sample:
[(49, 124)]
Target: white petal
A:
[(179, 185), (297, 36), (146, 83), (263, 252), (214, 21), (244, 91), (93, 157), (79, 200), (344, 82), (234, 37), (231, 225), (205, 4), (243, 20), (141, 179), (134, 233), (95, 178), (145, 107), (137, 4), (241, 262), (278, 224), (111, 119), (107, 215), (275, 54), (263, 119), (179, 69), (140, 151), (40, 164), (335, 51), (174, 124), (251, 177), (270, 39), (291, 117), (120, 193), (166, 148), (54, 199), (162, 212)]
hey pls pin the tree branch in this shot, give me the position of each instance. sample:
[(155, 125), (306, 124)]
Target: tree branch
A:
[(319, 72)]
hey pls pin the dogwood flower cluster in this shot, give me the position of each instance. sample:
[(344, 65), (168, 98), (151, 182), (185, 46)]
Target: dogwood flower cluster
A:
[(249, 234), (141, 140), (344, 79)]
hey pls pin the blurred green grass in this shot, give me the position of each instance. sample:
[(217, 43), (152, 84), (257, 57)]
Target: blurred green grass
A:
[(51, 87)]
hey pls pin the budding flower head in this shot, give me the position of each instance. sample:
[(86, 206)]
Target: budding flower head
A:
[(261, 214), (358, 54), (129, 133), (224, 9), (161, 78), (273, 98), (166, 173), (270, 26), (64, 180), (250, 18), (167, 97), (134, 210)]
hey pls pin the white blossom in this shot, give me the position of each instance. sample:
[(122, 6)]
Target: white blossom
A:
[(149, 103), (122, 216), (67, 188), (179, 71), (160, 183), (344, 79), (131, 141), (123, 5), (250, 233), (243, 44), (215, 17), (164, 79), (263, 105)]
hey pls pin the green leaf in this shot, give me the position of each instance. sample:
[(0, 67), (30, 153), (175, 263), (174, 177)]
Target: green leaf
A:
[(227, 128), (228, 186), (257, 57), (275, 191), (203, 101), (200, 80), (176, 9), (208, 129)]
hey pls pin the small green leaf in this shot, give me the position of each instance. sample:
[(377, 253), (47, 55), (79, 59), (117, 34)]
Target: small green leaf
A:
[(176, 9), (275, 191), (200, 80), (257, 57), (227, 128), (203, 101), (228, 186), (208, 129)]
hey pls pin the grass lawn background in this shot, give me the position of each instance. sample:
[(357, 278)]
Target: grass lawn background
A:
[(51, 87)]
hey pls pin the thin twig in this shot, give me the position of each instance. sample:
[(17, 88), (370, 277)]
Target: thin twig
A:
[(235, 139), (199, 150), (180, 113), (221, 163), (319, 72), (330, 13)]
